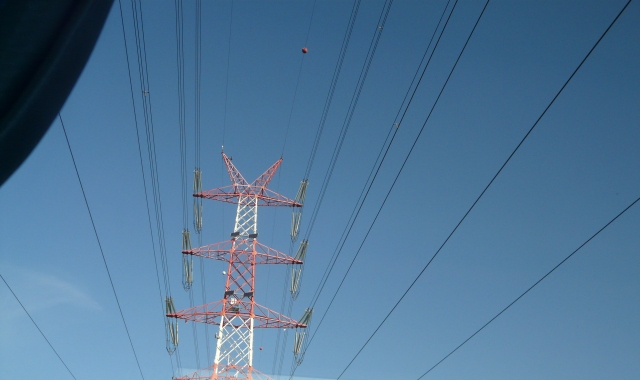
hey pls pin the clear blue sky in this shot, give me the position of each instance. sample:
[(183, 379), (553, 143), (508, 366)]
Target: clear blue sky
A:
[(577, 170)]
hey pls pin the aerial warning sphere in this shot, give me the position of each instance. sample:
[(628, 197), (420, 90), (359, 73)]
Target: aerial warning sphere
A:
[(304, 50)]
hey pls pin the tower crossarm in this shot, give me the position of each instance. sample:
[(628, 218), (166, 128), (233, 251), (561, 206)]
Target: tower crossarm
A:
[(234, 174), (241, 193), (222, 251), (266, 177), (263, 317)]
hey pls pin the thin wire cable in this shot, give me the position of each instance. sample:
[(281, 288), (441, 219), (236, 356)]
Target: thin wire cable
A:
[(143, 72), (226, 97), (376, 168), (186, 282), (104, 259), (198, 201), (181, 107), (490, 182), (336, 74), (529, 289), (364, 71), (295, 92), (284, 144), (373, 45), (37, 327), (334, 81), (226, 87), (373, 174), (144, 181)]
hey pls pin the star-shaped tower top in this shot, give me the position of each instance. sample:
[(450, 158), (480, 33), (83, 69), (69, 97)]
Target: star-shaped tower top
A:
[(240, 191)]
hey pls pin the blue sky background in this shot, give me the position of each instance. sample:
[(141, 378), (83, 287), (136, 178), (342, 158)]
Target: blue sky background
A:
[(576, 171)]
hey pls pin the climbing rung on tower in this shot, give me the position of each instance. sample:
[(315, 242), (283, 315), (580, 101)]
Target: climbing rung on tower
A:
[(302, 250), (197, 202)]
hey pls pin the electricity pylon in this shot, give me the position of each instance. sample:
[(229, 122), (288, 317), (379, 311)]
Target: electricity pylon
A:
[(237, 314)]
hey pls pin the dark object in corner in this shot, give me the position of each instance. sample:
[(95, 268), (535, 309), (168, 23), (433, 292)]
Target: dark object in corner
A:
[(44, 45)]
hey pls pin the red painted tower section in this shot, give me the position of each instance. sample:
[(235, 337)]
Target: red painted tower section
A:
[(237, 312)]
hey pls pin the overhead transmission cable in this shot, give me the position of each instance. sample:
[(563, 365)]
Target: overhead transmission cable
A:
[(295, 93), (104, 259), (144, 181), (187, 260), (226, 86), (384, 149), (197, 181), (37, 327), (364, 71), (226, 98), (166, 300), (375, 170), (336, 73), (490, 182), (528, 289), (373, 45)]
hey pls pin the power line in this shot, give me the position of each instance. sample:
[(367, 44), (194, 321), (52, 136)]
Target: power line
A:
[(295, 91), (334, 81), (197, 202), (36, 325), (398, 175), (336, 74), (104, 259), (490, 182), (364, 71), (378, 162), (226, 87), (144, 181), (374, 173), (187, 275), (352, 106), (530, 288), (138, 24)]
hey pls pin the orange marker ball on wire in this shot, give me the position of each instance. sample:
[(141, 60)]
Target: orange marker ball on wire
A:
[(304, 50)]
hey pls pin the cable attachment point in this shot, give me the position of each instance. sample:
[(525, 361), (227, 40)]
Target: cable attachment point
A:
[(297, 212), (300, 335), (296, 273), (172, 327), (187, 261), (197, 201), (296, 216), (302, 250)]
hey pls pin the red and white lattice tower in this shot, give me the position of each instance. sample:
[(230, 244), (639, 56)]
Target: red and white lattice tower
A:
[(237, 314)]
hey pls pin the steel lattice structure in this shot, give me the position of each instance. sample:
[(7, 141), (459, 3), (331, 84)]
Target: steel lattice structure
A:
[(237, 313)]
